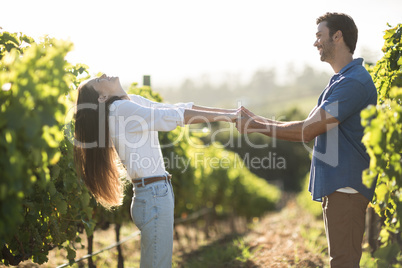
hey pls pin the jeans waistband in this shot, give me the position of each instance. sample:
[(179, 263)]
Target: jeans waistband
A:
[(141, 182)]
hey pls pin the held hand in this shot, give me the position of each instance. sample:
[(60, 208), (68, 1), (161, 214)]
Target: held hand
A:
[(237, 115), (247, 111), (243, 121), (229, 115), (234, 115)]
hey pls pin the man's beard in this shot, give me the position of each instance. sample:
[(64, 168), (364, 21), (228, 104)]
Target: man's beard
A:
[(328, 51)]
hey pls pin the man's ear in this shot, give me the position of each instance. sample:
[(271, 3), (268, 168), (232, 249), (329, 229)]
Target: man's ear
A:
[(337, 36), (102, 99)]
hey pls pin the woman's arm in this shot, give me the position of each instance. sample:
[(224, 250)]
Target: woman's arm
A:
[(193, 116), (189, 105), (213, 109)]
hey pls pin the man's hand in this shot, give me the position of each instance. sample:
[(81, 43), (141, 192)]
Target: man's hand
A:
[(244, 120), (248, 112)]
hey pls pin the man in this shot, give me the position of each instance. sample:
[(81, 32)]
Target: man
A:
[(339, 157)]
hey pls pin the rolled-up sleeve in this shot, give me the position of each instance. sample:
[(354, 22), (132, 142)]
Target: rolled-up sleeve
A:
[(347, 98), (137, 118)]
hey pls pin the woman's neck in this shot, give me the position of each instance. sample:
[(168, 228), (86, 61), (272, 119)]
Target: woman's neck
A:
[(125, 97)]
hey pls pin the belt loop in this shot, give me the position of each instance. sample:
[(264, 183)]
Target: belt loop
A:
[(142, 182), (166, 177)]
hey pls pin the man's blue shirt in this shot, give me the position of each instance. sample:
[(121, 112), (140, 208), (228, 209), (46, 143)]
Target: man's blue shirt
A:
[(339, 157)]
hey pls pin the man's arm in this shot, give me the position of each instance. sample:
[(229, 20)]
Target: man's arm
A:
[(318, 122)]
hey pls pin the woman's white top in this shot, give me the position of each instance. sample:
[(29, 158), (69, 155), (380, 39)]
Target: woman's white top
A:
[(133, 129)]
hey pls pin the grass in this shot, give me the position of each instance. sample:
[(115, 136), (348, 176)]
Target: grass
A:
[(230, 251), (274, 241), (315, 239), (367, 261), (305, 201)]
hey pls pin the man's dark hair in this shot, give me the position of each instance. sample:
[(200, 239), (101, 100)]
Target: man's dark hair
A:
[(345, 24)]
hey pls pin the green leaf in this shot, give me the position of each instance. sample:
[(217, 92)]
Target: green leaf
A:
[(388, 252), (71, 254), (61, 206)]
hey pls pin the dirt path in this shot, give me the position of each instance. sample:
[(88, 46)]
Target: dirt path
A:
[(278, 240), (289, 237)]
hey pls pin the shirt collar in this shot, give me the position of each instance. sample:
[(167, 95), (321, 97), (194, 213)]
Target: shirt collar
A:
[(358, 61)]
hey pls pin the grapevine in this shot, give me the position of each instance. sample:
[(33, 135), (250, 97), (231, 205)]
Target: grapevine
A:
[(382, 138)]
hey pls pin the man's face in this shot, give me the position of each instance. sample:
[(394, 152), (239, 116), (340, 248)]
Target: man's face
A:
[(324, 43)]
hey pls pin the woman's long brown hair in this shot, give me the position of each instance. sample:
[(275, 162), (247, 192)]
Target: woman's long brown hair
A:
[(94, 153)]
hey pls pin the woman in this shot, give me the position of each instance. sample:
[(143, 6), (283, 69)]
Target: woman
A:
[(109, 121)]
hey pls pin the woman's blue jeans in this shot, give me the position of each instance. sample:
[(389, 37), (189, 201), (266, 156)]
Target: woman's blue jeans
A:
[(152, 210)]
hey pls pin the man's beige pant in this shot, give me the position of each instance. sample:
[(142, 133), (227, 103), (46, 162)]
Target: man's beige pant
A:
[(344, 218)]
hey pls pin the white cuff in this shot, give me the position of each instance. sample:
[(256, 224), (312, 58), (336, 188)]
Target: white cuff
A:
[(179, 118)]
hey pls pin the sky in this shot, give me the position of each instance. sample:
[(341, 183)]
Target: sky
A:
[(172, 40)]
